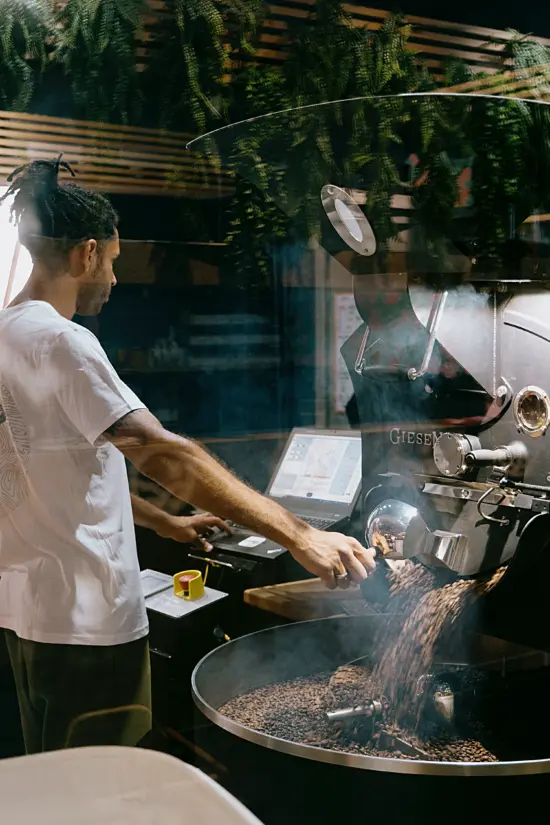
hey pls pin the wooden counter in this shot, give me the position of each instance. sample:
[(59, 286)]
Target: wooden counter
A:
[(304, 600)]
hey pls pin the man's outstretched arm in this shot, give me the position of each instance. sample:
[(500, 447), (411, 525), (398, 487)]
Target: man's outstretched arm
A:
[(190, 473)]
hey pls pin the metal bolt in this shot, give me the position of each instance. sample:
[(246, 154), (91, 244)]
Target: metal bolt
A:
[(465, 494)]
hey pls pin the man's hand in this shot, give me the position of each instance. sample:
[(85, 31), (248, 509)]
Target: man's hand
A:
[(183, 529), (192, 529), (331, 556)]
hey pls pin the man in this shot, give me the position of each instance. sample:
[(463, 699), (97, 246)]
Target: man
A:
[(70, 595)]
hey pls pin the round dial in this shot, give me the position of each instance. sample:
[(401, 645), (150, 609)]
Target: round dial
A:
[(450, 452), (532, 411)]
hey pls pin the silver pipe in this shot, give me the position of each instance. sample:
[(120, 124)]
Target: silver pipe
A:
[(370, 708), (433, 324), (360, 360)]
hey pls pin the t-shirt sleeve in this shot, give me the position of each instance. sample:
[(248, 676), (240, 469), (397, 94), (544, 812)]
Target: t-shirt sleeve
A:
[(88, 389)]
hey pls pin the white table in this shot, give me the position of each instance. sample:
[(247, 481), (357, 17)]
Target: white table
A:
[(113, 786)]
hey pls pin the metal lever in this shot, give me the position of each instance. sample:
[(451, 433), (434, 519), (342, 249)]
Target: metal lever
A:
[(213, 562), (370, 708), (436, 313), (502, 521), (360, 360), (156, 652)]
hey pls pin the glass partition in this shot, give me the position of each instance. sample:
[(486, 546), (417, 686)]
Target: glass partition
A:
[(428, 270)]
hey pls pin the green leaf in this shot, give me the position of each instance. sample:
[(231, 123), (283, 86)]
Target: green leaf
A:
[(95, 45), (24, 30)]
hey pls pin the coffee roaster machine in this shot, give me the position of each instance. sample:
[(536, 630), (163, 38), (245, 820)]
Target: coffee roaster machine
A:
[(461, 481), (452, 385)]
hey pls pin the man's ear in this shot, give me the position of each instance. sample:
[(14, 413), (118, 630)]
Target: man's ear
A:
[(82, 258)]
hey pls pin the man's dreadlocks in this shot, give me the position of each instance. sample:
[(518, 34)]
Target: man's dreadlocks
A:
[(54, 217)]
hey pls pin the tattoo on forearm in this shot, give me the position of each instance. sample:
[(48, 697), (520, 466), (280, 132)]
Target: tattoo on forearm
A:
[(119, 425)]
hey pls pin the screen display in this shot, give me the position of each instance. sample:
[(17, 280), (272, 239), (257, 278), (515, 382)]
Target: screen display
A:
[(319, 467)]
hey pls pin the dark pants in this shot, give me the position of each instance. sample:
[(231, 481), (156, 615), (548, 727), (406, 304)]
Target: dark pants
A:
[(79, 695)]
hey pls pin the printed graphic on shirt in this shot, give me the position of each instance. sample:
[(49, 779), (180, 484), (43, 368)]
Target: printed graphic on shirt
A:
[(14, 454)]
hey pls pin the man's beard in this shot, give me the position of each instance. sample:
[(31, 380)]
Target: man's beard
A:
[(91, 297)]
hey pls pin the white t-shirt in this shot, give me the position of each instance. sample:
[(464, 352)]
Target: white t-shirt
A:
[(68, 561)]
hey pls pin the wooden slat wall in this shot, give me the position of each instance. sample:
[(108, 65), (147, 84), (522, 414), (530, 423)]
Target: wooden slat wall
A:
[(108, 158), (532, 82), (147, 161), (434, 41)]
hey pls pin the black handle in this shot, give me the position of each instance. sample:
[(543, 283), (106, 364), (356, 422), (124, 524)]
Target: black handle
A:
[(489, 458), (376, 588)]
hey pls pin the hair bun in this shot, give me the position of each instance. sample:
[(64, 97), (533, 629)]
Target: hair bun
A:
[(41, 174), (43, 207)]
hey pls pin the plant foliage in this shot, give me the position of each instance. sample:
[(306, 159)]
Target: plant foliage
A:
[(187, 71), (255, 222), (286, 160), (290, 157), (24, 32), (511, 139), (96, 46)]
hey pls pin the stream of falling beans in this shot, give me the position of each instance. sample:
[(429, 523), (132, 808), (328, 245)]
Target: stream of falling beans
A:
[(403, 659)]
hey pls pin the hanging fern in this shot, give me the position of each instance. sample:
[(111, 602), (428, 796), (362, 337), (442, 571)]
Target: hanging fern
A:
[(510, 142), (531, 60), (441, 141), (322, 55), (386, 65), (256, 223), (96, 47), (242, 18), (290, 158), (353, 143), (24, 31), (185, 76)]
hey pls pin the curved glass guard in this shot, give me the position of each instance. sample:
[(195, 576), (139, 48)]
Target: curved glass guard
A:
[(419, 191)]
